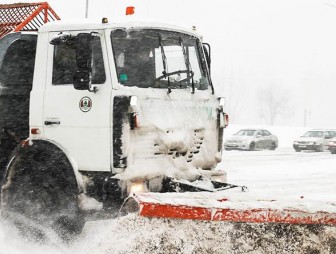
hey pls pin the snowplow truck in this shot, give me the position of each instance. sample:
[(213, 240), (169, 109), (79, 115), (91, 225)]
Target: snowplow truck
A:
[(91, 112), (99, 118)]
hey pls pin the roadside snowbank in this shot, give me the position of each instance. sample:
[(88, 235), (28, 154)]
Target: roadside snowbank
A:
[(132, 234)]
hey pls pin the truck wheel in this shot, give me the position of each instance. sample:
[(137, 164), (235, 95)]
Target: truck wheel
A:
[(297, 150), (41, 190), (252, 146), (333, 151), (7, 145)]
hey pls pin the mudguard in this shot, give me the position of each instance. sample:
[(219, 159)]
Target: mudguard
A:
[(41, 175)]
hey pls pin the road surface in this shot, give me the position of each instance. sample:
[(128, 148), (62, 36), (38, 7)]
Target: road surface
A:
[(280, 173), (284, 172)]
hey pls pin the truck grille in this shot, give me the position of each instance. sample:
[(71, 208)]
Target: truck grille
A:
[(192, 149)]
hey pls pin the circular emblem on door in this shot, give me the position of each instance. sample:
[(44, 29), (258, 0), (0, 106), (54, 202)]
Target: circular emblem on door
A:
[(85, 104)]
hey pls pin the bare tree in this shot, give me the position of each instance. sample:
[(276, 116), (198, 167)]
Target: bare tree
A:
[(236, 92), (274, 101)]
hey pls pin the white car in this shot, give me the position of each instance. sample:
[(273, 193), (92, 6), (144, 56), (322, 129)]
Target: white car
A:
[(251, 139), (317, 140), (332, 145)]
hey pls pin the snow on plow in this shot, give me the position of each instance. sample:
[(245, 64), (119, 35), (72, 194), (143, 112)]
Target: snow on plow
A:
[(219, 207)]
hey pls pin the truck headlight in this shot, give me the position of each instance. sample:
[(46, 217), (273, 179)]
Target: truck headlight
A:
[(296, 143), (138, 187), (222, 178)]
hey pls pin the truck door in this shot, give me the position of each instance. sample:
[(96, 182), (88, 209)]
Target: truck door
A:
[(79, 120)]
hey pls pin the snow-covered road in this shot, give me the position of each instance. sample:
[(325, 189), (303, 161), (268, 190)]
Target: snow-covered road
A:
[(280, 173), (284, 172)]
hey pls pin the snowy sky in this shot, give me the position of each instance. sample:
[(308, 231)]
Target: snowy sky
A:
[(288, 46)]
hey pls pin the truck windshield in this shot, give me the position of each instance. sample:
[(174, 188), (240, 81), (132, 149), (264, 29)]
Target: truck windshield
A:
[(159, 59)]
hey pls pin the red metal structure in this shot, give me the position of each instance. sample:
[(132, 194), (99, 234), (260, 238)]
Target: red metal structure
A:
[(25, 17)]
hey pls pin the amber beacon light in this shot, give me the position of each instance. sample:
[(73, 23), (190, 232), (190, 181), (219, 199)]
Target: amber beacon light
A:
[(130, 10)]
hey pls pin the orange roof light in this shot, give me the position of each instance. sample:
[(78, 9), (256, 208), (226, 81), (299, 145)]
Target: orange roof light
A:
[(104, 20), (130, 10)]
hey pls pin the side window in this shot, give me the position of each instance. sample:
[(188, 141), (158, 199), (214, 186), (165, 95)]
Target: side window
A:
[(329, 134), (17, 67), (64, 65), (266, 133)]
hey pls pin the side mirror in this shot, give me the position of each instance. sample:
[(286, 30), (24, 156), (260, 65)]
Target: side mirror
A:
[(82, 76), (221, 103), (207, 52), (60, 38), (81, 80)]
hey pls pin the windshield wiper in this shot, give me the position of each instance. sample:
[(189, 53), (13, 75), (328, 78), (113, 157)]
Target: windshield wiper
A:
[(164, 62), (188, 65)]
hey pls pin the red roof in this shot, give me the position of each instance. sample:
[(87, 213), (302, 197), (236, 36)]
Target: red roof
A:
[(25, 17)]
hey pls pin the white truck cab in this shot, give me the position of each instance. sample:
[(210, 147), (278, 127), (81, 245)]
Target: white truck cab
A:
[(163, 68), (114, 107)]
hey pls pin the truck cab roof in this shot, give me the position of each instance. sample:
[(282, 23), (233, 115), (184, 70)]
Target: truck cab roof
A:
[(88, 24)]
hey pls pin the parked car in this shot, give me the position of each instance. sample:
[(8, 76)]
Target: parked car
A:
[(332, 145), (332, 133), (316, 140), (251, 139)]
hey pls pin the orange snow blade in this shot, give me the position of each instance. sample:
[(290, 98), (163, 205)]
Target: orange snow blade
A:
[(183, 206)]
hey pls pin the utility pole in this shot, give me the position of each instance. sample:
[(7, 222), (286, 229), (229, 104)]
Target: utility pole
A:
[(87, 9)]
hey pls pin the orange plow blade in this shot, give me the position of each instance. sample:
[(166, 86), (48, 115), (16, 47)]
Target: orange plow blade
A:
[(205, 206)]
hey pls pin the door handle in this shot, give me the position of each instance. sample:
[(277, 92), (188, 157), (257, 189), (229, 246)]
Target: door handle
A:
[(52, 122)]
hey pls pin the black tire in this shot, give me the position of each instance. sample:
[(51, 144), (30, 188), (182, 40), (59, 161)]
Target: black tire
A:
[(297, 150), (252, 146), (41, 188), (7, 145), (273, 146), (319, 148), (333, 151)]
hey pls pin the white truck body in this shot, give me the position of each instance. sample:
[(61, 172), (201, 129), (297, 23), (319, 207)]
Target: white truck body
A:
[(114, 109), (177, 133)]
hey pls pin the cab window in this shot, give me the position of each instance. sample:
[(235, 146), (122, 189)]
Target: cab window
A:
[(159, 59), (266, 133), (17, 67), (65, 62)]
